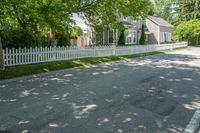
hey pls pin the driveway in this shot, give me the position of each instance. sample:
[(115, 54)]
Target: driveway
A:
[(153, 94)]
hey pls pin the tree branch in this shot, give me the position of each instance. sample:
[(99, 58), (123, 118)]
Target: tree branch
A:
[(81, 7)]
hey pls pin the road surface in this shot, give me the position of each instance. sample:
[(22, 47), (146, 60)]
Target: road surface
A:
[(152, 94)]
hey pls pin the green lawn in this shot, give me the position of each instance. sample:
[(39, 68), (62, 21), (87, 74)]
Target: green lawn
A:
[(17, 71)]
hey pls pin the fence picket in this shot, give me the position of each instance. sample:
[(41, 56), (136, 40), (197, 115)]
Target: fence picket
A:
[(6, 55), (20, 56), (10, 56)]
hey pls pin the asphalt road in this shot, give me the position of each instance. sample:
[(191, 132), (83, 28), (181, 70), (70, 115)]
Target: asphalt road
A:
[(153, 94)]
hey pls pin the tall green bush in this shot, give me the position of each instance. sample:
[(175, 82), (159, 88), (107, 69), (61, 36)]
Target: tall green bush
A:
[(121, 41), (63, 39), (143, 36), (188, 31), (20, 38)]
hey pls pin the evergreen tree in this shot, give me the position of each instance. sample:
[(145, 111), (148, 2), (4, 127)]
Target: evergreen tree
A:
[(121, 41), (143, 36), (187, 10), (163, 9)]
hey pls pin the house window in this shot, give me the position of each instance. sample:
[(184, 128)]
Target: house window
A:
[(170, 36), (130, 37), (166, 37), (162, 38)]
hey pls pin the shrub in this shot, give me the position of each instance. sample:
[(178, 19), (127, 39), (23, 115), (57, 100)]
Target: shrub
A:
[(143, 36), (121, 41), (188, 31), (21, 38), (63, 39)]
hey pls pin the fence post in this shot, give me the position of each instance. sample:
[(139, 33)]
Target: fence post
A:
[(2, 66)]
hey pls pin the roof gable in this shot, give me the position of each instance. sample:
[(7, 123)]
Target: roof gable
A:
[(159, 21)]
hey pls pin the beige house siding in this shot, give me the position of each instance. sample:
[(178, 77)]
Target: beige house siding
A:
[(166, 34), (157, 31), (165, 29), (152, 38)]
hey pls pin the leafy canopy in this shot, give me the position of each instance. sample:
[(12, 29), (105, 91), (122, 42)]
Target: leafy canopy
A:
[(189, 30), (105, 12), (34, 18)]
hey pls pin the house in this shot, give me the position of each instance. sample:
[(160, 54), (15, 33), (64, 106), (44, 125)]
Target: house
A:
[(110, 36), (160, 31), (157, 31)]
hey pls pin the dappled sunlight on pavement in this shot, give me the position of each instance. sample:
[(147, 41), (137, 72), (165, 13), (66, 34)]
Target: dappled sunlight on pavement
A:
[(152, 94)]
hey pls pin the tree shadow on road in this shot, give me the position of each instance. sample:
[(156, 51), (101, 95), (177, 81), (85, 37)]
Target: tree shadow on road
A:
[(148, 94)]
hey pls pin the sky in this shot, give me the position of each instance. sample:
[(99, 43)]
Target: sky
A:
[(80, 21)]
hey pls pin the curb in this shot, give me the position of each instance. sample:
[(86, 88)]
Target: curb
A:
[(194, 124)]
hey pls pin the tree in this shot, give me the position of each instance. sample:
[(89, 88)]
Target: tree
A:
[(186, 10), (101, 16), (187, 21), (38, 18), (76, 31), (189, 30), (163, 9), (37, 22), (121, 41), (143, 36)]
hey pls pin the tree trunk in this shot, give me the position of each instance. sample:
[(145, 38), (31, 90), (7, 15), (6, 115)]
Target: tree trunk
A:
[(2, 67), (53, 41)]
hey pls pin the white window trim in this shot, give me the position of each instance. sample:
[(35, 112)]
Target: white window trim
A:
[(165, 37), (132, 39)]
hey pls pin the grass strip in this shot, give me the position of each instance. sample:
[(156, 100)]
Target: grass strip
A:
[(23, 70)]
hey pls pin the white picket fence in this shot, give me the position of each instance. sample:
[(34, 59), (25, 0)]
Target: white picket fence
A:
[(19, 56)]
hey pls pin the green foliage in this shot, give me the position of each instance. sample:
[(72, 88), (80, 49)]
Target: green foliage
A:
[(26, 22), (186, 10), (121, 41), (18, 38), (162, 8), (187, 21), (189, 30), (63, 39), (76, 31), (107, 16), (143, 36), (151, 10)]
